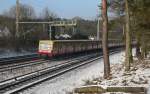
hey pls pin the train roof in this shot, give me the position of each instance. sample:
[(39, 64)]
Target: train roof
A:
[(77, 40), (69, 40)]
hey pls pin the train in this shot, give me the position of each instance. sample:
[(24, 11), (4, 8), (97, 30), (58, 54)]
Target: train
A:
[(52, 48)]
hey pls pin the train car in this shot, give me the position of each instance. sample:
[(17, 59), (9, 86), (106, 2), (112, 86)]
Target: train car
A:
[(60, 47), (45, 47)]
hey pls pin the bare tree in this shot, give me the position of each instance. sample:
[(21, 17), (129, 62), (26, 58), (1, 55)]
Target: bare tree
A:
[(25, 12), (48, 15), (105, 40)]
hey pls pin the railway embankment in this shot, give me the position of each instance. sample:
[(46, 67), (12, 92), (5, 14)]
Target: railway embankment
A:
[(135, 81)]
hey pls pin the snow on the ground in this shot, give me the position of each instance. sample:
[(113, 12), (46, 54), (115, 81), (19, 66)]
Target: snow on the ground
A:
[(139, 75), (70, 80)]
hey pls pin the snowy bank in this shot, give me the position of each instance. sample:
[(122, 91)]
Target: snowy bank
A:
[(138, 76)]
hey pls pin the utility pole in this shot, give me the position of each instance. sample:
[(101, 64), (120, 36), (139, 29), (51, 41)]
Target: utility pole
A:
[(98, 28), (50, 32), (105, 40), (98, 24), (17, 17)]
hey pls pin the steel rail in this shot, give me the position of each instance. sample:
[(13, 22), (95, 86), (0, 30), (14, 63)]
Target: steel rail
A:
[(10, 60), (18, 64)]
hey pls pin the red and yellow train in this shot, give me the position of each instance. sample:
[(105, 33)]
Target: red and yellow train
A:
[(59, 47)]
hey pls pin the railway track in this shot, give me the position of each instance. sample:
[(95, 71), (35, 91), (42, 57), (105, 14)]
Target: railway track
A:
[(42, 75), (14, 66), (11, 63), (37, 63), (21, 65), (33, 64), (23, 82), (12, 60)]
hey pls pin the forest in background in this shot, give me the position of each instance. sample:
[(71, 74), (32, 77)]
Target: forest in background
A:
[(30, 34)]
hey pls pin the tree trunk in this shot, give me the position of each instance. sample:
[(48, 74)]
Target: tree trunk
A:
[(129, 58), (105, 40), (138, 52), (143, 48)]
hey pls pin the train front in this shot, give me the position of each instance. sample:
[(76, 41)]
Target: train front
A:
[(45, 48)]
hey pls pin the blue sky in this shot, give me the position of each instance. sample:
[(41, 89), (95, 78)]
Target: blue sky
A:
[(87, 9)]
